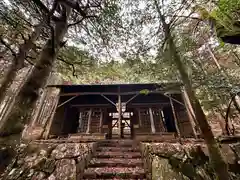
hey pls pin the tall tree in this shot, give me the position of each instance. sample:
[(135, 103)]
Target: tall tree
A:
[(13, 17), (217, 160), (69, 14)]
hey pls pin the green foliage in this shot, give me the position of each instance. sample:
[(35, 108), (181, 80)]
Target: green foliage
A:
[(137, 64), (12, 24), (144, 91), (228, 9), (89, 70)]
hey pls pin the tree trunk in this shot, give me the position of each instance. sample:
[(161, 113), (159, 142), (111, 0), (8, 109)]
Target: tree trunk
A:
[(9, 103), (219, 165), (216, 158), (38, 78), (18, 63), (224, 73)]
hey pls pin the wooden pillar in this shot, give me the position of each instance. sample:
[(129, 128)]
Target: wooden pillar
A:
[(38, 107), (188, 104), (120, 116), (101, 121), (133, 120), (89, 120), (139, 118), (152, 121), (79, 122), (162, 122), (49, 118), (109, 121), (48, 128), (132, 129), (190, 111), (175, 117)]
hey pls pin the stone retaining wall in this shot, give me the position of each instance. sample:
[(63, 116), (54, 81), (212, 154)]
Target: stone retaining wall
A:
[(171, 161), (65, 161)]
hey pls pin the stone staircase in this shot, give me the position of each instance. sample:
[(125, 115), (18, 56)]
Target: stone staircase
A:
[(116, 159)]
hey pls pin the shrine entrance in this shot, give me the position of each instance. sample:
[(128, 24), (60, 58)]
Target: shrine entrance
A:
[(126, 130), (121, 111)]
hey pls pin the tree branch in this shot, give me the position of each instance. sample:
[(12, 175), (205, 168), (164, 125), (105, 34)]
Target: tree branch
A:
[(82, 19), (46, 11), (8, 46), (186, 17), (41, 6), (72, 65), (29, 61), (81, 9)]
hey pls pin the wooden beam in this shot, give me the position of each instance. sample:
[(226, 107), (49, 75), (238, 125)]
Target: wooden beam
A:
[(139, 117), (169, 96), (126, 122), (190, 111), (91, 105), (49, 124), (132, 98), (188, 104), (152, 121), (149, 104), (114, 124), (67, 101), (162, 123), (38, 108), (114, 93), (120, 114), (89, 121), (109, 127), (109, 100), (101, 121), (130, 105), (175, 118), (132, 120), (80, 121)]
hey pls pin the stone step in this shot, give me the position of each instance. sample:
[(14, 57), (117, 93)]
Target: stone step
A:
[(122, 149), (108, 154), (116, 172), (117, 179), (117, 143), (120, 162)]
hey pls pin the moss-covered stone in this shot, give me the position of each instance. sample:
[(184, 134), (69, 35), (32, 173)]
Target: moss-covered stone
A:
[(46, 165), (189, 161), (161, 169), (50, 161)]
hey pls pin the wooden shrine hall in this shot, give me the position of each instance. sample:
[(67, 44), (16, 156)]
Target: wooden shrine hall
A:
[(120, 110)]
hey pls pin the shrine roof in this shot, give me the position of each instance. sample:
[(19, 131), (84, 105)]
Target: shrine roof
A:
[(116, 88)]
